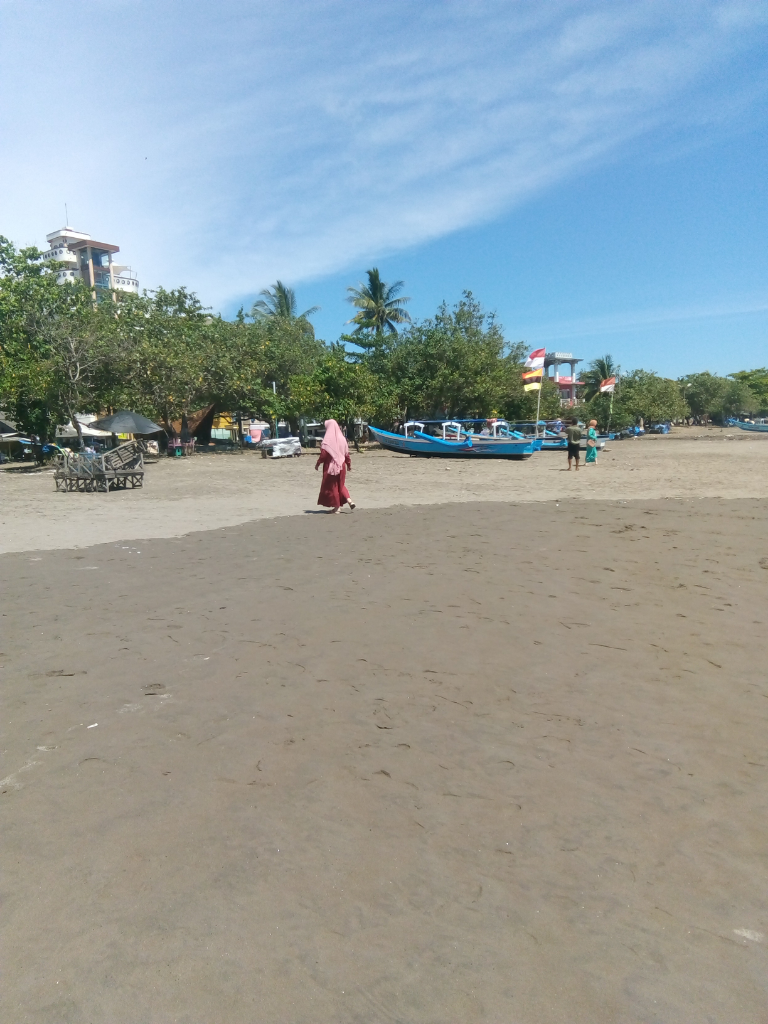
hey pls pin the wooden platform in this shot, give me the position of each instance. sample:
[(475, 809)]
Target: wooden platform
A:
[(113, 471)]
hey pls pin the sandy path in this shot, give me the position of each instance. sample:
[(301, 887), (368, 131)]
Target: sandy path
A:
[(477, 763), (208, 492)]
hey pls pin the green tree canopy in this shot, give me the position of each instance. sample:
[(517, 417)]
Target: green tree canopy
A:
[(599, 370), (457, 363), (279, 302), (380, 309), (647, 396), (339, 388), (34, 310), (718, 397), (757, 382)]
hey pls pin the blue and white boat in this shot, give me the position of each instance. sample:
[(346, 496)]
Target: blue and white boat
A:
[(457, 442), (760, 428), (552, 440)]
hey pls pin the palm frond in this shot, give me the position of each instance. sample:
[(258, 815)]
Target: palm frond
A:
[(380, 308), (279, 301)]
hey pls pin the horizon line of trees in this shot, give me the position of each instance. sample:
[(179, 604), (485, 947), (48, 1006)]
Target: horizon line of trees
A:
[(165, 355)]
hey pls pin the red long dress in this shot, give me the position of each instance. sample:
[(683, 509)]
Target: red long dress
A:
[(333, 492)]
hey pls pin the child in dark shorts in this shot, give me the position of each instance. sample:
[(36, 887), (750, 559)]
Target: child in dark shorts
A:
[(574, 443)]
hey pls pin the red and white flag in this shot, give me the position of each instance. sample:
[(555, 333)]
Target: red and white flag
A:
[(607, 385), (536, 358)]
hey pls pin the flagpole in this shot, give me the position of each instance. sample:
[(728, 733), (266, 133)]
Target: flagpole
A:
[(538, 406), (610, 414), (536, 363)]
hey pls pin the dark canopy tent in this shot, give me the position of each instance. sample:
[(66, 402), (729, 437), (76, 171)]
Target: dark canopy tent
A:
[(125, 422)]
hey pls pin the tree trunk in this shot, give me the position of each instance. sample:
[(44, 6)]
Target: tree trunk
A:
[(76, 424)]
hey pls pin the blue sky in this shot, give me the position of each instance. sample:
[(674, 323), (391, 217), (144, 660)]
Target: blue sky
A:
[(593, 171)]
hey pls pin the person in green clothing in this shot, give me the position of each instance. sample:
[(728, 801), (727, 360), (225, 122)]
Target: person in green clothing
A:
[(573, 433), (592, 442)]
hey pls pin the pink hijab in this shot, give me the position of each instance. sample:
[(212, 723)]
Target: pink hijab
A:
[(336, 445)]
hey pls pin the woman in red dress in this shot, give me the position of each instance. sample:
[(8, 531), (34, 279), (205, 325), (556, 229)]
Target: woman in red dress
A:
[(335, 460)]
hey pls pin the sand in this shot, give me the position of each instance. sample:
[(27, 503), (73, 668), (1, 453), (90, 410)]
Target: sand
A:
[(475, 762), (205, 492)]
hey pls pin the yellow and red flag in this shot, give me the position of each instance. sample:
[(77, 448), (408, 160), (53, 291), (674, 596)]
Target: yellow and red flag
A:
[(533, 374)]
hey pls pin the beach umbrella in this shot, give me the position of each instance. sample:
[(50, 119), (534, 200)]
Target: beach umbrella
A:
[(125, 422)]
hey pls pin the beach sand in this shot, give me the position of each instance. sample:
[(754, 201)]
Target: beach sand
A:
[(207, 491), (474, 762)]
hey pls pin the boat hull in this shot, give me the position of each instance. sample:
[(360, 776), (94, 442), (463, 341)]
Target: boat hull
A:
[(757, 428), (432, 447), (561, 445)]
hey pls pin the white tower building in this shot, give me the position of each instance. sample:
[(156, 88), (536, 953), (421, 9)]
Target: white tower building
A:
[(89, 261)]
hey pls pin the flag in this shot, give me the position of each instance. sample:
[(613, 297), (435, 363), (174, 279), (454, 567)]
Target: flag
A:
[(533, 374), (607, 385), (532, 387), (536, 359)]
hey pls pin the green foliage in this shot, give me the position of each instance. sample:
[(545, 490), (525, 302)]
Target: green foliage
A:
[(456, 363), (717, 397), (644, 395), (35, 369), (280, 302), (757, 382), (703, 392), (339, 388), (163, 354), (380, 309), (599, 370), (607, 414)]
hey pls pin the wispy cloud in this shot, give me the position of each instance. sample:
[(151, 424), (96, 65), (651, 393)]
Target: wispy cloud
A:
[(230, 144), (634, 320)]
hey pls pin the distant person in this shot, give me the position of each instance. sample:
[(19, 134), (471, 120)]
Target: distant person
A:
[(573, 433), (335, 460), (592, 442)]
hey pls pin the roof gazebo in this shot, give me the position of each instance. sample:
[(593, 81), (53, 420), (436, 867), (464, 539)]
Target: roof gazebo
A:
[(566, 382)]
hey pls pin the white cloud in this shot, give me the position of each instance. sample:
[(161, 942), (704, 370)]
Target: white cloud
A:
[(226, 145), (633, 320)]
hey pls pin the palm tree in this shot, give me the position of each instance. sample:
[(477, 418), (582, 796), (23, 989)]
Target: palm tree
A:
[(380, 309), (279, 301), (599, 370)]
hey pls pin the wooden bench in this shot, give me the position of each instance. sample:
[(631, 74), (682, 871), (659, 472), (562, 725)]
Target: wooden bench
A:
[(113, 471)]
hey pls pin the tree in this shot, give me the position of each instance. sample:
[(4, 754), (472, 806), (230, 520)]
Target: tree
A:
[(380, 309), (599, 370), (251, 357), (520, 406), (718, 397), (280, 302), (757, 382), (78, 345), (30, 302), (457, 363), (703, 392), (164, 355), (339, 388), (737, 397), (644, 395)]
